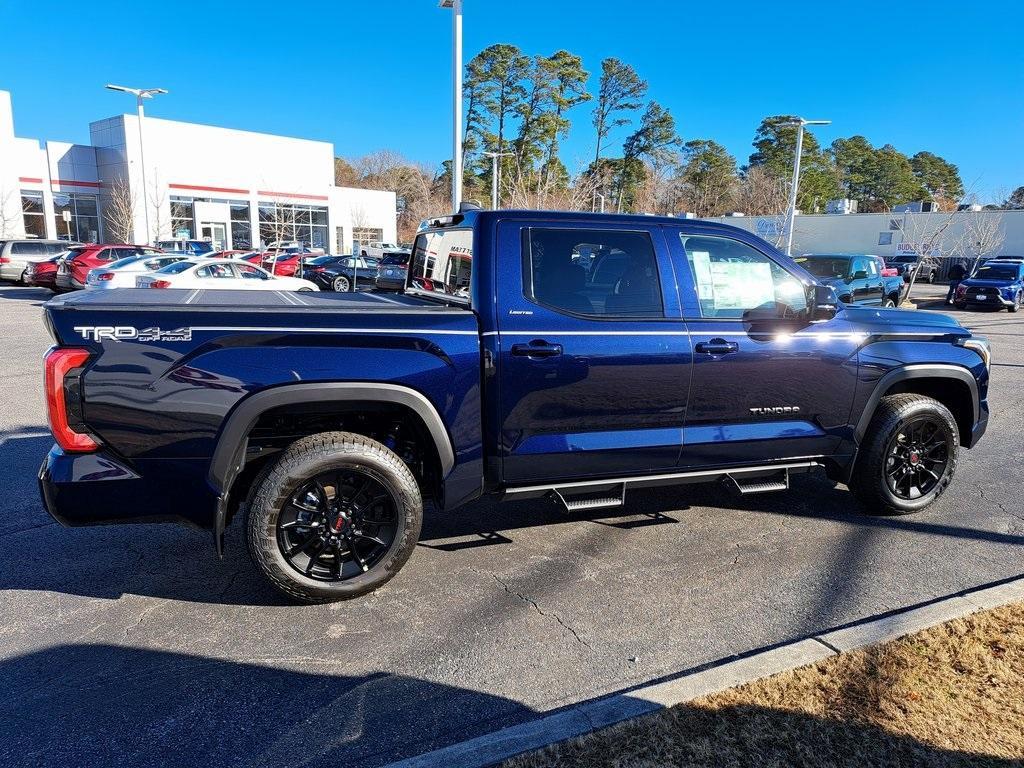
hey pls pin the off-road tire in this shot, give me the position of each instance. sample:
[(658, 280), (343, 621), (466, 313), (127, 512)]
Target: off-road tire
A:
[(868, 481), (303, 459)]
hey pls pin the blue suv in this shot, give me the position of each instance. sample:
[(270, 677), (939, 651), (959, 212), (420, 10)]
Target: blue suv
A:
[(996, 284)]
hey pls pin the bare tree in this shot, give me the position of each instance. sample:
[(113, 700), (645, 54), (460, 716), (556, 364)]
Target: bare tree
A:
[(119, 212), (162, 228), (10, 215), (760, 194), (983, 235)]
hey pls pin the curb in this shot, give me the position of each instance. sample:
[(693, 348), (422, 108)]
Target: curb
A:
[(580, 719)]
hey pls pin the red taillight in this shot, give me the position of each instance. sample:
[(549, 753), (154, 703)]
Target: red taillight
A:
[(319, 269), (64, 399), (160, 284), (4, 260), (105, 276)]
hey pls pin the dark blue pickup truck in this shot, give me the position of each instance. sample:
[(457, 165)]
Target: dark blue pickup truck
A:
[(532, 354), (856, 278)]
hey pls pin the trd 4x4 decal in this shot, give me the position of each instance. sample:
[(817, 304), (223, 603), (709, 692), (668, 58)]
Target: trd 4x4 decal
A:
[(128, 333)]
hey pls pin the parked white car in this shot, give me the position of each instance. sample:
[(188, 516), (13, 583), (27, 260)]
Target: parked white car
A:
[(220, 273), (122, 273), (376, 249)]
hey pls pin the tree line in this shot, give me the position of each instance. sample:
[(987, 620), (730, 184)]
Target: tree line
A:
[(523, 107)]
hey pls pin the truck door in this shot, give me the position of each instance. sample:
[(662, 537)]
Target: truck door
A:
[(866, 281), (767, 383), (593, 363)]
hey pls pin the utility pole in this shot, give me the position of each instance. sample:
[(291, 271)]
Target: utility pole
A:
[(456, 8), (799, 123)]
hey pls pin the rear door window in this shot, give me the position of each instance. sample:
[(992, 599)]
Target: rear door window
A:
[(601, 273), (28, 249)]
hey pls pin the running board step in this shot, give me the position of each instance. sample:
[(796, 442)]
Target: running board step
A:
[(611, 497), (776, 482)]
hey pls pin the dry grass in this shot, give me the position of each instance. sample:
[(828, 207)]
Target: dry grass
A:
[(952, 695)]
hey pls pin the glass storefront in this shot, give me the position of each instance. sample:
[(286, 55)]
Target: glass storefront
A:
[(84, 226), (183, 220), (241, 229), (285, 222), (32, 211)]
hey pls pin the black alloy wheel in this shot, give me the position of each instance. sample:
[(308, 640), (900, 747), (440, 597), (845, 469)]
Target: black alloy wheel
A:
[(917, 457), (337, 525)]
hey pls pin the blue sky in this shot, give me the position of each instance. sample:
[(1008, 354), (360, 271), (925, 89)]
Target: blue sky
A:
[(943, 76)]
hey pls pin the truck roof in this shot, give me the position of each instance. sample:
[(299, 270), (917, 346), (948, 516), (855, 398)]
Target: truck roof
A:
[(474, 218)]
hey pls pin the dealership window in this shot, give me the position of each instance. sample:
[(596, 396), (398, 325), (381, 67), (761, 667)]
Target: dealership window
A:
[(183, 223), (367, 235), (241, 229), (84, 226), (284, 222), (32, 209)]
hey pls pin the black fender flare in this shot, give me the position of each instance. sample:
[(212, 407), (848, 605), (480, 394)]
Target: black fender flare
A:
[(229, 455), (917, 371)]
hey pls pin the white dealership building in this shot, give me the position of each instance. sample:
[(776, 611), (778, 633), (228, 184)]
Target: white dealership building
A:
[(239, 189)]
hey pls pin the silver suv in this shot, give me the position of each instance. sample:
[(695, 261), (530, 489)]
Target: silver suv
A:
[(15, 255)]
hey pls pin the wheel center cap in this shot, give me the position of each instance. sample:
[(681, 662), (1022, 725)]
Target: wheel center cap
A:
[(914, 457)]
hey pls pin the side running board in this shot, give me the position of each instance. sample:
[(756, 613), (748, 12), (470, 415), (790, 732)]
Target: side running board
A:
[(604, 499), (777, 482)]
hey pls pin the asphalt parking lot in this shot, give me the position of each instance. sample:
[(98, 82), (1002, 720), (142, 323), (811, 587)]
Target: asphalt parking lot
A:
[(131, 645)]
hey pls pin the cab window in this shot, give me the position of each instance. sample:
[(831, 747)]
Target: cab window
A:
[(592, 272), (733, 279)]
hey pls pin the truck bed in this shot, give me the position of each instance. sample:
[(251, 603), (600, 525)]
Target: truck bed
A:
[(233, 301)]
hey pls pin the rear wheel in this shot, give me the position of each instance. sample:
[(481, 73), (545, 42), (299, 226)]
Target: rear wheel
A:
[(908, 455), (336, 517), (341, 283)]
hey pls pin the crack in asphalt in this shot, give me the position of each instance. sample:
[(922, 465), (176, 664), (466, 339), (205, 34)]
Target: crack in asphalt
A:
[(142, 617), (531, 601)]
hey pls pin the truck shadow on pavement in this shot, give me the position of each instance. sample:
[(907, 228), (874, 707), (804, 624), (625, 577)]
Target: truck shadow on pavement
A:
[(108, 705), (39, 296)]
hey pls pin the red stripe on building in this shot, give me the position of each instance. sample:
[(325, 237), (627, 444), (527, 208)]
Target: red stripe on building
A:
[(197, 188), (29, 180), (291, 194), (74, 183)]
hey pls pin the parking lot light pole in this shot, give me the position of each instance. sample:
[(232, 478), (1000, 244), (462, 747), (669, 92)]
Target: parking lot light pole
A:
[(456, 7), (494, 175), (799, 123), (140, 94)]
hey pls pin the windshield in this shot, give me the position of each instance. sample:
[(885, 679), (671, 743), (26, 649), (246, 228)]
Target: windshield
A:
[(907, 258), (123, 262), (442, 264), (176, 267), (392, 259), (998, 272), (824, 266)]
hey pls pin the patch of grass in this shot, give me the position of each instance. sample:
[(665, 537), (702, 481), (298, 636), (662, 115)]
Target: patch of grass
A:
[(952, 695)]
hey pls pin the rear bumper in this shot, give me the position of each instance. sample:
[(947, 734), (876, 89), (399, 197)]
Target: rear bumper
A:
[(68, 282), (97, 489), (390, 283)]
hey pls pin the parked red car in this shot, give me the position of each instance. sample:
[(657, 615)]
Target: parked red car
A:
[(886, 270), (287, 264), (73, 268), (43, 274)]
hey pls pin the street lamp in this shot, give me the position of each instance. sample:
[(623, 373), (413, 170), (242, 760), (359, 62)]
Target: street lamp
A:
[(456, 7), (140, 94), (798, 123), (494, 175)]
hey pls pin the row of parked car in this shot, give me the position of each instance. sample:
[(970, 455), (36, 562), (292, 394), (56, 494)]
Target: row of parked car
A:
[(62, 266)]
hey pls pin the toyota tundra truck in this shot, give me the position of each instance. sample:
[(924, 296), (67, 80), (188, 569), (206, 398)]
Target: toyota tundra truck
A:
[(569, 356)]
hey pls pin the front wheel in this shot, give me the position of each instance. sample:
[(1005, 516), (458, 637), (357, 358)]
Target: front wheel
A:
[(1015, 307), (341, 284), (336, 517), (908, 455), (889, 303), (931, 278)]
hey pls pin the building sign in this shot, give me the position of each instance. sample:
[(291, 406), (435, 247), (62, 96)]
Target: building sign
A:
[(769, 227), (918, 248)]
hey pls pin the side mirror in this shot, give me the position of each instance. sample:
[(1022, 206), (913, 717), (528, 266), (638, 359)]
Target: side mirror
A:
[(824, 302), (860, 274)]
